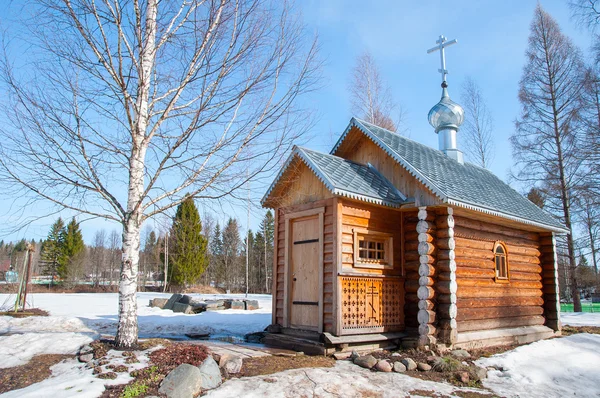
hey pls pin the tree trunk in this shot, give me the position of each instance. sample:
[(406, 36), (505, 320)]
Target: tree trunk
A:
[(593, 248)]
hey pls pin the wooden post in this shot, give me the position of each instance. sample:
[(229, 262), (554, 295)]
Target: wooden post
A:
[(426, 293), (549, 264), (446, 286)]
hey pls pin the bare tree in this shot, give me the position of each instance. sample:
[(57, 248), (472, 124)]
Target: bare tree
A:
[(161, 100), (478, 127), (586, 13), (547, 142), (370, 98), (98, 256)]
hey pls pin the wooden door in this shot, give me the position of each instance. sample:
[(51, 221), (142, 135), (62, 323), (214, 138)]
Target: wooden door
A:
[(304, 273)]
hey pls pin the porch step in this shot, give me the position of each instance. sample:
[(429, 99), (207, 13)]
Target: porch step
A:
[(362, 338), (302, 334), (287, 341)]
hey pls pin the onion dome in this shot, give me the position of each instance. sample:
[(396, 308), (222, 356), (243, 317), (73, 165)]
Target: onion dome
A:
[(446, 114)]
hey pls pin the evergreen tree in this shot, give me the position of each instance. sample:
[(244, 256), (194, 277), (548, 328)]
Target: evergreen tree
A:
[(73, 248), (231, 251), (267, 227), (216, 256), (53, 249), (188, 251)]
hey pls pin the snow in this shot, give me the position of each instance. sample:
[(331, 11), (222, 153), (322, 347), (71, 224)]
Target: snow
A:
[(549, 368), (580, 318), (343, 380)]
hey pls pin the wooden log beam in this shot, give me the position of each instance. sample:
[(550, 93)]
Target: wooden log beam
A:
[(498, 302), (484, 283), (469, 233), (469, 314), (495, 292), (500, 323), (494, 228)]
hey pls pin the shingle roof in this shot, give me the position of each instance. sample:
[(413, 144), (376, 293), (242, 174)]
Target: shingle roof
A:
[(345, 178), (463, 185)]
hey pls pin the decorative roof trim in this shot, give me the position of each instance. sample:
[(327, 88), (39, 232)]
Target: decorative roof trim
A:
[(496, 213), (302, 155), (354, 122)]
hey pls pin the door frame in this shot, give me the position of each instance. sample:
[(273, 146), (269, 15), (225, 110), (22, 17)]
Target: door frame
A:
[(287, 302)]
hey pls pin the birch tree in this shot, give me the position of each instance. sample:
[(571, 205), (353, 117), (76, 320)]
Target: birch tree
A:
[(478, 127), (547, 140), (123, 107)]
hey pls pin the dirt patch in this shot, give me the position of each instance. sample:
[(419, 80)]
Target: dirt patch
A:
[(34, 371), (569, 330), (24, 314), (273, 364)]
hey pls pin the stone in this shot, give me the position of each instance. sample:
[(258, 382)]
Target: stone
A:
[(367, 361), (85, 349), (342, 355), (172, 300), (237, 305), (461, 354), (274, 328), (463, 377), (198, 336), (396, 354), (85, 358), (399, 367), (254, 337), (354, 355), (185, 381), (423, 367), (232, 364), (481, 372), (409, 363), (215, 304), (185, 299), (158, 302), (198, 307), (383, 366), (210, 374), (183, 308), (252, 305)]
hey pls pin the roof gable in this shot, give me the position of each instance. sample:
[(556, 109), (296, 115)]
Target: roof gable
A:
[(343, 177), (464, 185)]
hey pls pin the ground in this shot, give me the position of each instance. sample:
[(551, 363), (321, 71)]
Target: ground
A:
[(550, 368)]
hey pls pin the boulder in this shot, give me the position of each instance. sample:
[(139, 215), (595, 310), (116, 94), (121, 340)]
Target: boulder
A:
[(172, 300), (254, 337), (158, 302), (232, 364), (183, 308), (354, 354), (396, 354), (274, 328), (237, 305), (85, 349), (399, 367), (367, 361), (252, 305), (198, 307), (215, 304), (461, 354), (210, 374), (340, 356), (423, 367), (481, 372), (409, 363), (185, 299), (383, 366), (463, 377), (85, 358), (185, 381)]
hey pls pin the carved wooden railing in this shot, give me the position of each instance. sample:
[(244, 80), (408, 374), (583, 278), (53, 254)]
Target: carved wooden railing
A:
[(372, 305)]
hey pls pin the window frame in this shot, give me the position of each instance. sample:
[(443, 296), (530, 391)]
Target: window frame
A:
[(377, 236), (497, 277)]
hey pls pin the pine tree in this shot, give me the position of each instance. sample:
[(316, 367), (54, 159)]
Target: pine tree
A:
[(188, 252), (267, 227), (52, 252), (231, 250), (73, 247), (216, 256)]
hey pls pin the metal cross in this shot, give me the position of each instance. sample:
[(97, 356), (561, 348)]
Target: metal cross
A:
[(442, 43)]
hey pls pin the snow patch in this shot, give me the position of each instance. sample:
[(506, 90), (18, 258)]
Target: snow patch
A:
[(580, 318)]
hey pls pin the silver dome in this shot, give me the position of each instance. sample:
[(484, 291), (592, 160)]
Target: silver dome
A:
[(446, 114)]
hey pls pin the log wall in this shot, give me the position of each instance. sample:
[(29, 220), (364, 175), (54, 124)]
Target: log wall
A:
[(427, 315), (411, 271), (550, 280), (446, 286), (482, 302)]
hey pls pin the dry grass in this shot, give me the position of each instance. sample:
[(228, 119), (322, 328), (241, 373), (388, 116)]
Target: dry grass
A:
[(34, 371)]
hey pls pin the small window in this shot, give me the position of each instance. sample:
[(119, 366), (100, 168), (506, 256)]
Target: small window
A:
[(372, 249), (501, 262)]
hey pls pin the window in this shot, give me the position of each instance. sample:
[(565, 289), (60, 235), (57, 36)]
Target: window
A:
[(372, 249), (501, 262)]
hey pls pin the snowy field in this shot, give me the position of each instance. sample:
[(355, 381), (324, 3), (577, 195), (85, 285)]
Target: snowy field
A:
[(551, 368)]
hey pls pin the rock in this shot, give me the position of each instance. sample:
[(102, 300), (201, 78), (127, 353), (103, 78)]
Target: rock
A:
[(198, 336), (208, 309), (354, 355), (227, 303), (367, 361), (185, 299), (252, 305), (396, 354), (481, 372), (342, 355), (431, 359), (158, 302), (85, 358), (254, 337), (210, 374), (409, 363), (198, 307), (463, 377), (215, 304), (383, 366), (185, 381), (399, 367), (461, 354), (85, 349), (232, 364), (172, 300), (274, 328), (183, 308), (423, 367), (237, 305)]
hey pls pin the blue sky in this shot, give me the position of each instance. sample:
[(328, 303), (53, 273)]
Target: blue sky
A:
[(492, 39)]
